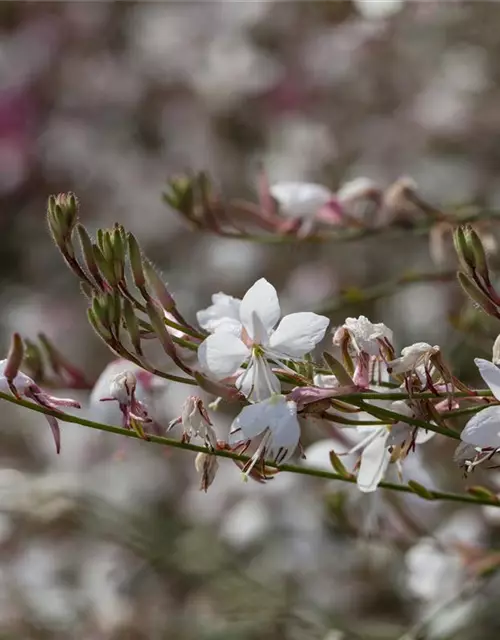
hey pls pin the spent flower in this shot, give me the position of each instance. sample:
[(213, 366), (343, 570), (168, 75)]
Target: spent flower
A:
[(22, 385), (195, 422)]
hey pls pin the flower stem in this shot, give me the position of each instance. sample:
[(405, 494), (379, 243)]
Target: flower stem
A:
[(291, 468)]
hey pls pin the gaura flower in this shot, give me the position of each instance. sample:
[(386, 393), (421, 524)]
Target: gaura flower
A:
[(223, 353), (412, 357), (367, 337), (386, 443), (223, 313), (195, 422), (370, 344), (483, 429), (301, 199), (25, 386), (275, 421)]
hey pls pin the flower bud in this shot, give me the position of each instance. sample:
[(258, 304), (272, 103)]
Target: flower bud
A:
[(180, 195), (464, 250), (136, 264), (88, 254), (161, 330), (159, 287), (14, 360), (105, 265), (207, 466), (475, 244), (132, 325), (477, 295)]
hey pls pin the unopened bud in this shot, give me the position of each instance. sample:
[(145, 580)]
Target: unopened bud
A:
[(132, 325), (105, 266), (207, 466), (101, 330), (159, 288), (477, 295), (33, 361), (180, 195), (14, 360), (88, 253), (62, 215), (161, 330), (474, 242), (464, 250), (136, 263)]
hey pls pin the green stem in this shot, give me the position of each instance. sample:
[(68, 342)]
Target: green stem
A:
[(381, 413), (291, 468)]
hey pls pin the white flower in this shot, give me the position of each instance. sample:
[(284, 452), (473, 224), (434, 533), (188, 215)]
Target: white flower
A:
[(275, 420), (196, 422), (483, 429), (366, 336), (385, 442), (223, 353), (223, 313), (356, 189), (300, 199), (412, 357)]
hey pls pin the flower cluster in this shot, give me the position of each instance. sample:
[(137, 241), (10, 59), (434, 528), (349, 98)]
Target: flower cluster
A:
[(382, 404)]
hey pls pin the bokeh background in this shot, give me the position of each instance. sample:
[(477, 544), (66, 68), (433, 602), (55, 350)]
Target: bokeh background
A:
[(108, 99)]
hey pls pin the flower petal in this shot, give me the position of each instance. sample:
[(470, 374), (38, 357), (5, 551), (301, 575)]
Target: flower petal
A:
[(276, 414), (258, 382), (483, 429), (297, 199), (298, 333), (490, 374), (374, 461), (261, 299), (224, 312), (221, 354)]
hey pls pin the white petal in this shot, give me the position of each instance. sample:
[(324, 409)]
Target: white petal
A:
[(221, 354), (424, 435), (258, 382), (490, 374), (285, 433), (298, 333), (261, 299), (21, 381), (399, 433), (297, 199), (374, 462), (483, 429), (256, 418), (223, 312)]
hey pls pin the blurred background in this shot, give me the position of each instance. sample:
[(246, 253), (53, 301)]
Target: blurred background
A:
[(109, 99)]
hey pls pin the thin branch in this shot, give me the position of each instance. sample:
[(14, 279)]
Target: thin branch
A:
[(392, 232), (301, 470)]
